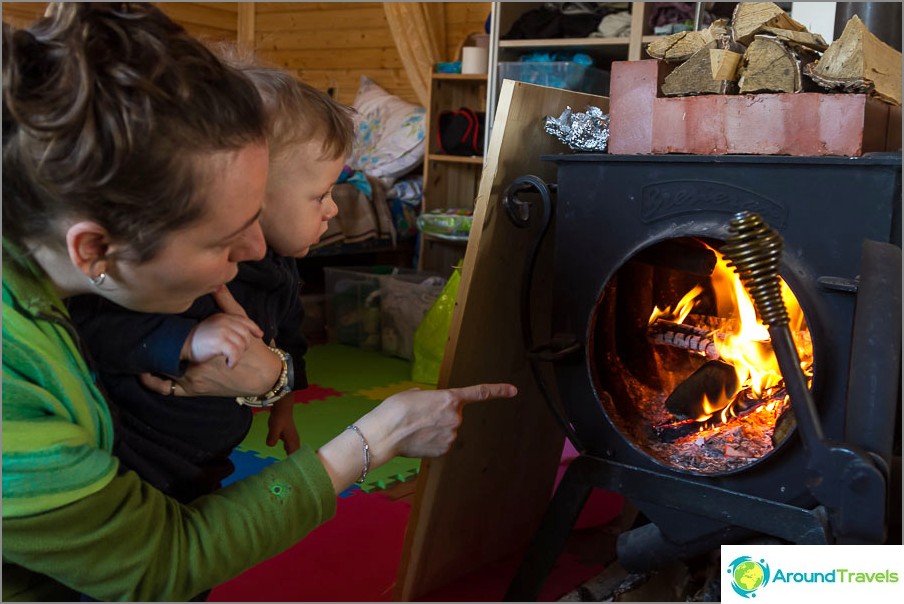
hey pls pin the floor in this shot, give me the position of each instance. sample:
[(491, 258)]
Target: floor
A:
[(354, 557)]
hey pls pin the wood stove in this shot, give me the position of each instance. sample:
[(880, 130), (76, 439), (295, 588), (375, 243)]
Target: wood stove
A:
[(655, 385)]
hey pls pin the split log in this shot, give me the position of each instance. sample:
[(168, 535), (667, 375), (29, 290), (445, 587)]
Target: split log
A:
[(686, 337), (750, 18), (695, 76), (679, 47), (715, 379), (770, 65), (860, 62), (798, 38)]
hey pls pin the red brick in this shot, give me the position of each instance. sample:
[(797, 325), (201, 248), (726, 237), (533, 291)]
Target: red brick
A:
[(633, 87), (770, 124)]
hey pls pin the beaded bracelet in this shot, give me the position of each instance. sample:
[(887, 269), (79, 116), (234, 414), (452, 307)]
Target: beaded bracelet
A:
[(366, 448), (283, 386)]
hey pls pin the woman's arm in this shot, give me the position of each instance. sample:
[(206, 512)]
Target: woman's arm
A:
[(130, 542)]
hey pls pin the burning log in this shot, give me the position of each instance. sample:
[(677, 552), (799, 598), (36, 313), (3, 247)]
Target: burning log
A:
[(742, 405), (708, 390), (771, 65), (679, 335)]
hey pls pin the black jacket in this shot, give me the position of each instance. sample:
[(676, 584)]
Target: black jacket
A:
[(181, 445)]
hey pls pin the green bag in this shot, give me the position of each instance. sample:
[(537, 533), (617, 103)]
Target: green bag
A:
[(433, 332)]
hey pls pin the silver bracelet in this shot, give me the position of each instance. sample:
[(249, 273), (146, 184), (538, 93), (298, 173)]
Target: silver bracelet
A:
[(366, 448)]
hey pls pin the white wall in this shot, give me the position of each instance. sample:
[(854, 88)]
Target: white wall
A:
[(817, 17)]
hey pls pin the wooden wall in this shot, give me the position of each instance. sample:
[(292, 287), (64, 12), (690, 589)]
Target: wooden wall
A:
[(329, 44)]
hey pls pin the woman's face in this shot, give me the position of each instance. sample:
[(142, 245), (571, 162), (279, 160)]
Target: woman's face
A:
[(199, 258)]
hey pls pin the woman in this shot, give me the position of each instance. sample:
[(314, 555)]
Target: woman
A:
[(134, 166)]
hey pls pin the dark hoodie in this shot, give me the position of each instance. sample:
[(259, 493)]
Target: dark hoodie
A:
[(181, 445)]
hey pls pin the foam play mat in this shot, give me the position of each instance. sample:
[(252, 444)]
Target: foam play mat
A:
[(345, 383)]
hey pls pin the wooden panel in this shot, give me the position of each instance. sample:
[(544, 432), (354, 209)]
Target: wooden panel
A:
[(462, 19), (280, 7), (201, 15), (208, 20), (245, 25), (21, 14), (315, 40), (337, 18), (376, 58), (484, 500)]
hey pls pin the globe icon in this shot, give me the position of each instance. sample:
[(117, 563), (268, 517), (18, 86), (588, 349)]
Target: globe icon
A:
[(748, 575)]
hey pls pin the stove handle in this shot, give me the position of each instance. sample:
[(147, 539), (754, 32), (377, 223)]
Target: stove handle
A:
[(519, 213)]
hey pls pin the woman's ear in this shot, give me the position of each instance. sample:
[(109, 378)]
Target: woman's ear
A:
[(88, 244)]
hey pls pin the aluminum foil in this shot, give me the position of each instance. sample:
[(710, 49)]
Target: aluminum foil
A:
[(587, 131)]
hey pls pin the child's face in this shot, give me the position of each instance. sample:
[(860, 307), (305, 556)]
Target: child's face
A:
[(299, 203)]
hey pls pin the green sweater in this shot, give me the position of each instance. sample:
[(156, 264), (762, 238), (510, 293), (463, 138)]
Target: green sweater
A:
[(72, 523)]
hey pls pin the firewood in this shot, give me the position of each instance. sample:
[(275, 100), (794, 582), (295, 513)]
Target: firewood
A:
[(799, 38), (695, 76), (679, 335), (770, 65), (679, 47), (858, 61), (749, 18), (715, 379)]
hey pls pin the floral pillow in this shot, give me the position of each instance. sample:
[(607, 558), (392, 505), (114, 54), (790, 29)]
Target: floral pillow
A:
[(389, 138)]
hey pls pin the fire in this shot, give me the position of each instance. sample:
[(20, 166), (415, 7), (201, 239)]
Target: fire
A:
[(741, 340)]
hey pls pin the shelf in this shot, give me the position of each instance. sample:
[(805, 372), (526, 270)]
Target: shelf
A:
[(451, 239), (455, 159), (465, 77), (563, 42)]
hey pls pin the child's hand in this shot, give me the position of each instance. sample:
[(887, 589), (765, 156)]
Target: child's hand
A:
[(281, 426), (221, 334)]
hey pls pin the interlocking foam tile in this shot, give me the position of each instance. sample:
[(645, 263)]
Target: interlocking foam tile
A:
[(247, 464), (350, 369), (381, 393), (318, 421), (352, 558), (314, 392)]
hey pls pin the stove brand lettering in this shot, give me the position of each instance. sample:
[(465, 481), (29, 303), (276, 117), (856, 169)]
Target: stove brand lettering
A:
[(681, 197), (748, 575)]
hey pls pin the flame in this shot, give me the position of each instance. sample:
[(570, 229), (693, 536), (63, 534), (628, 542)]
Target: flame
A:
[(743, 340), (682, 309)]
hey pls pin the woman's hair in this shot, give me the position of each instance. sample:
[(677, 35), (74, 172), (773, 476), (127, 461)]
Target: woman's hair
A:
[(296, 111), (107, 111)]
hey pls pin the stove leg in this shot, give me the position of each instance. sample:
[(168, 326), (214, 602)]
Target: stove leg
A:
[(549, 541)]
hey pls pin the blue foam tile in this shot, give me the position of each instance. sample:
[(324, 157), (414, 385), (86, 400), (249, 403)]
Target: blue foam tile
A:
[(246, 464)]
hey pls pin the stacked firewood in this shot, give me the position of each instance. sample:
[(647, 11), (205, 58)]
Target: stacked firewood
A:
[(762, 49)]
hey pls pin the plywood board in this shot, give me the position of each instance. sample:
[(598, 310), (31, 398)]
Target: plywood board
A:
[(485, 499)]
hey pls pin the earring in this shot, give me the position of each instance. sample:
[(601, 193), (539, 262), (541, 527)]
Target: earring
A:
[(98, 280)]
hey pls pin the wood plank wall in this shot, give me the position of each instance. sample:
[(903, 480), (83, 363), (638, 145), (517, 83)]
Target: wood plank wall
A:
[(206, 20), (328, 44)]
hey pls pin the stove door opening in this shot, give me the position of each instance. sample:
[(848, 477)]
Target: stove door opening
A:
[(693, 380)]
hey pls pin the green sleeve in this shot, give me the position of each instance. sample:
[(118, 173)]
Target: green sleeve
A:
[(128, 541)]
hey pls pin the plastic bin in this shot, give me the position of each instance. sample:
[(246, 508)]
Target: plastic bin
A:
[(353, 305), (557, 74), (369, 304)]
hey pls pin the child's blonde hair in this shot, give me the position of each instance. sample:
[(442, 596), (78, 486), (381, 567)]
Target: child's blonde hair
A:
[(299, 113), (296, 112)]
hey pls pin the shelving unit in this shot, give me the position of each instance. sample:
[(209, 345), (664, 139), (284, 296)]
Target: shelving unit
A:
[(450, 181), (602, 50)]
